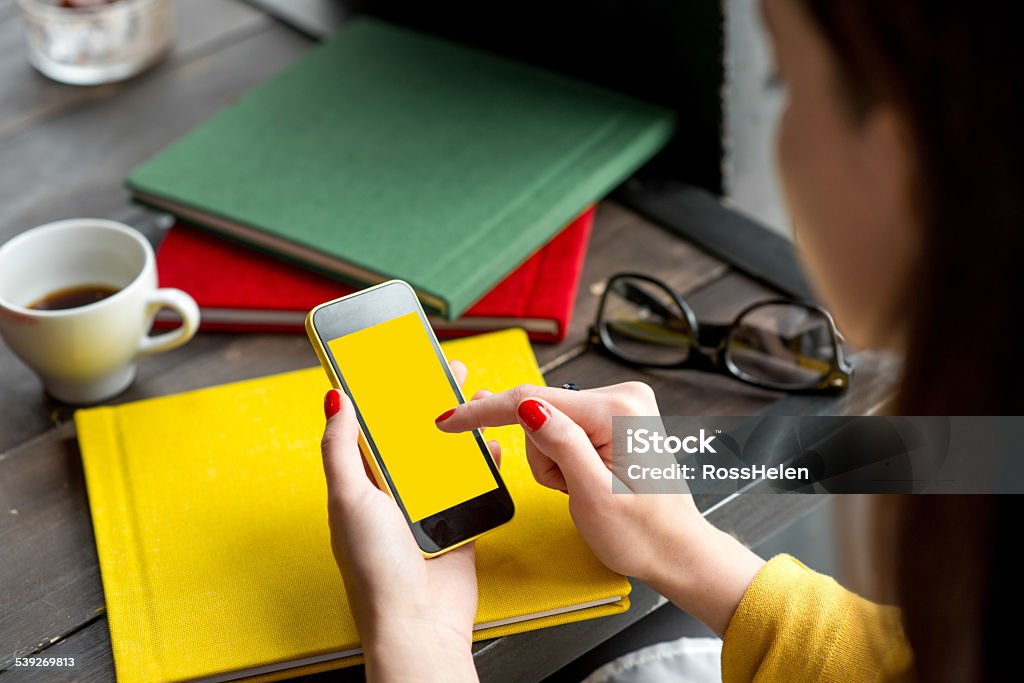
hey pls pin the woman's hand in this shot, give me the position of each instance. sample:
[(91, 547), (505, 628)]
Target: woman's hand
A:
[(659, 538), (415, 616)]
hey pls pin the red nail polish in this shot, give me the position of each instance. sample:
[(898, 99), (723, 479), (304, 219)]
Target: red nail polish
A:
[(533, 414), (332, 403), (445, 415)]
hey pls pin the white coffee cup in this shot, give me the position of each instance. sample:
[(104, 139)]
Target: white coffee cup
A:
[(86, 354)]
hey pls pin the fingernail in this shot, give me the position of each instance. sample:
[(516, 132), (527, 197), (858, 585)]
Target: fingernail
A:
[(332, 403), (533, 414), (444, 416)]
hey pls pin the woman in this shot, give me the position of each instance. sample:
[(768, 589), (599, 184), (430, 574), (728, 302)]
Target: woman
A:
[(900, 151)]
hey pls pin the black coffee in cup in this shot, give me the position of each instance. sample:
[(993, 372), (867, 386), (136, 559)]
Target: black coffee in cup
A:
[(73, 297)]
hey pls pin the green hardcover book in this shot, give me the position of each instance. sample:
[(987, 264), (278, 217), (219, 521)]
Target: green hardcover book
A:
[(387, 153)]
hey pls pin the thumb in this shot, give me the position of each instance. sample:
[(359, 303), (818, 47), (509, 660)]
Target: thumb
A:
[(555, 435), (343, 463)]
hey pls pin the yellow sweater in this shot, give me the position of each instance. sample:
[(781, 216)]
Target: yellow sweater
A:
[(794, 624)]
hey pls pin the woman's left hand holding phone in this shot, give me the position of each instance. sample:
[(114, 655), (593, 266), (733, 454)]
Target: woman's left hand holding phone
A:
[(415, 616)]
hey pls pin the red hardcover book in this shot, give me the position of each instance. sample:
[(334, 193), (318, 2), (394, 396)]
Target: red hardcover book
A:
[(239, 289)]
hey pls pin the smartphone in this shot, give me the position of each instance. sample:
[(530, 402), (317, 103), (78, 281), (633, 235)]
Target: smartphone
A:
[(377, 346)]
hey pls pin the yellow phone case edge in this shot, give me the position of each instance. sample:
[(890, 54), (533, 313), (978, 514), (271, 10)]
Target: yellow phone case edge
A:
[(364, 447)]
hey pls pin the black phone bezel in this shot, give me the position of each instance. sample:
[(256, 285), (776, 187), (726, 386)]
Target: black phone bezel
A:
[(377, 305)]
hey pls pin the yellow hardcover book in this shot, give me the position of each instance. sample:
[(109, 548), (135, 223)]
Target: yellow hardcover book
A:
[(209, 510)]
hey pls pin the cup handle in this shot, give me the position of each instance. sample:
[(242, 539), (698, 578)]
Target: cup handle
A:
[(182, 304)]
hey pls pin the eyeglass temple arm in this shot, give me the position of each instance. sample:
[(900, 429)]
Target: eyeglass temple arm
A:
[(801, 358)]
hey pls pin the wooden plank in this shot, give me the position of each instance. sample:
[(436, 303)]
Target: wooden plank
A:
[(201, 26), (94, 663), (696, 214), (49, 578), (722, 299), (678, 392), (24, 411), (625, 241), (90, 648)]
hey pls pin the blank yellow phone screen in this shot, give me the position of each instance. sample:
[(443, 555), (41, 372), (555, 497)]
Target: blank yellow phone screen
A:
[(396, 380)]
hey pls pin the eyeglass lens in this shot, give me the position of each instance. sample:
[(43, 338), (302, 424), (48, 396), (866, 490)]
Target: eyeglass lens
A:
[(645, 323), (784, 345)]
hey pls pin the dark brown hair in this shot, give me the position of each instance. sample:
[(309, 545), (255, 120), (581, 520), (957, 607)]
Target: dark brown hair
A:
[(951, 69)]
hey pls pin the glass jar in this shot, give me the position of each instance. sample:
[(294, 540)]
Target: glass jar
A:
[(98, 43)]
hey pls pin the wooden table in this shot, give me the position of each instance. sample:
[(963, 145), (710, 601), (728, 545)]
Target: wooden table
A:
[(64, 152)]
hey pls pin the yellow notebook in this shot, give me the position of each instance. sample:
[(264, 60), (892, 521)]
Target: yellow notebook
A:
[(209, 509)]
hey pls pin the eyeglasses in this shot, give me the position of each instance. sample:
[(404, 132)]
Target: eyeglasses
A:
[(779, 344)]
